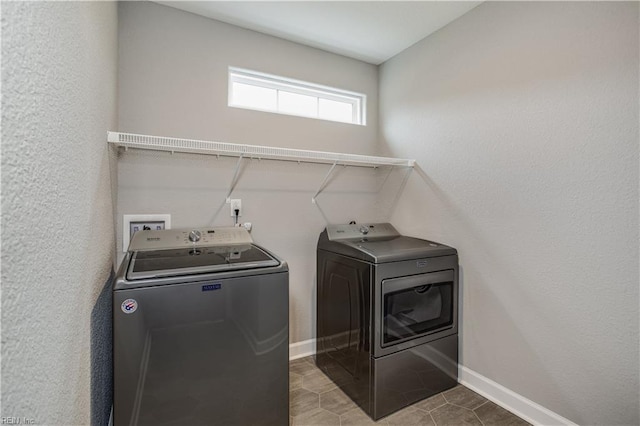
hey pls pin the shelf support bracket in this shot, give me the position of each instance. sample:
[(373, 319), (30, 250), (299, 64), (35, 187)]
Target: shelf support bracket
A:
[(234, 180), (400, 191), (321, 188), (324, 183)]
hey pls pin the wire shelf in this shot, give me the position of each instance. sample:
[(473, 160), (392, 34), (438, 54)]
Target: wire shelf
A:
[(160, 143)]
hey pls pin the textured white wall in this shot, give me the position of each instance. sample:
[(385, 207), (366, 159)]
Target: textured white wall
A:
[(173, 81), (524, 118), (59, 74)]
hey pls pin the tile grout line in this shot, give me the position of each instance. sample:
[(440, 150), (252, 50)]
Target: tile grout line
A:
[(330, 390), (484, 403), (419, 409), (478, 417), (460, 406), (432, 419), (435, 408)]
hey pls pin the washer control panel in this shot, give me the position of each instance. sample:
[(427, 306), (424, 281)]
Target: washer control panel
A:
[(189, 238), (353, 231)]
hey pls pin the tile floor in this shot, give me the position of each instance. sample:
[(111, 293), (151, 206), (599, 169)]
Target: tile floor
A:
[(315, 401)]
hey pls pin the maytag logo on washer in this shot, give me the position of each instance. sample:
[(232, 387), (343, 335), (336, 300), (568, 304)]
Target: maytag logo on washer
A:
[(129, 306)]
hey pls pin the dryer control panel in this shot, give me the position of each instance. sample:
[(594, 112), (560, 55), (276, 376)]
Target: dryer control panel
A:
[(189, 238), (354, 231)]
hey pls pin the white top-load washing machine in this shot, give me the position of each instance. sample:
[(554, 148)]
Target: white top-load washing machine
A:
[(387, 315), (200, 331)]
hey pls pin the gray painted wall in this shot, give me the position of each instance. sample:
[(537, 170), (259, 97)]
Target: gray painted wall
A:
[(527, 136), (524, 118), (173, 82), (59, 69)]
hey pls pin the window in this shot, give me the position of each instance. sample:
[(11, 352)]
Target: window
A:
[(264, 92)]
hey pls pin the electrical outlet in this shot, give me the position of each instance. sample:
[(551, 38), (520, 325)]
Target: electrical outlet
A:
[(235, 203)]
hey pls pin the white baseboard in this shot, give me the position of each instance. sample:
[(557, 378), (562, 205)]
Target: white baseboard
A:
[(508, 399), (302, 349)]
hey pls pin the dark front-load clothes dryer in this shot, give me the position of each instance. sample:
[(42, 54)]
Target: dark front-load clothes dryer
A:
[(201, 331), (387, 315)]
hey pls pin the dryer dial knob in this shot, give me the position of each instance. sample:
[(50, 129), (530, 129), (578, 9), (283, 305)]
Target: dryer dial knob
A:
[(194, 236), (364, 229)]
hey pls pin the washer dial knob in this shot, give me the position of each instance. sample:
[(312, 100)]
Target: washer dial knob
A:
[(364, 229), (194, 236)]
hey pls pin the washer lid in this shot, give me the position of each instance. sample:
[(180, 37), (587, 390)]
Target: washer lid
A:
[(188, 261)]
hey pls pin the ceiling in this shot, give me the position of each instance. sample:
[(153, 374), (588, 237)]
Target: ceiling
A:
[(370, 31)]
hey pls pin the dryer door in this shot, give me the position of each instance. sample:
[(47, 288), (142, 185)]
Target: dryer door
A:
[(417, 307)]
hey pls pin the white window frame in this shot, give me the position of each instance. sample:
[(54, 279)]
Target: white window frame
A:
[(278, 83)]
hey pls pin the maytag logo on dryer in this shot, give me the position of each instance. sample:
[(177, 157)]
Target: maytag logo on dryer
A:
[(129, 306), (421, 263)]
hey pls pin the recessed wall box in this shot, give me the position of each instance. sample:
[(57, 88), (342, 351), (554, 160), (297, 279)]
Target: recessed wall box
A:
[(132, 223)]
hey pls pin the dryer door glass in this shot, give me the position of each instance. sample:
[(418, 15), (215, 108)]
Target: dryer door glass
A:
[(417, 305)]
